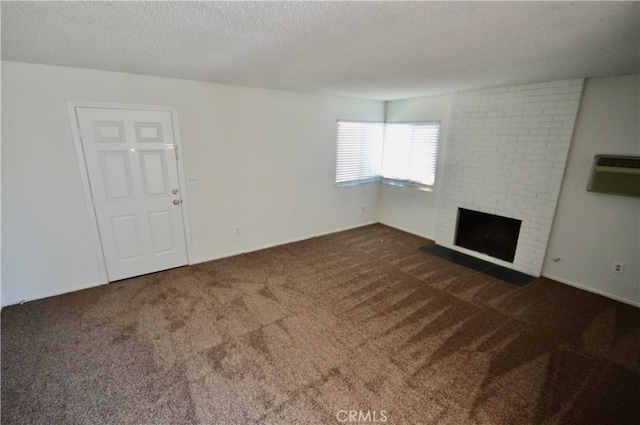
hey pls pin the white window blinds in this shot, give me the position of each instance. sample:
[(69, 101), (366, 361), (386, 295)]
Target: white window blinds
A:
[(359, 155), (397, 153), (410, 152)]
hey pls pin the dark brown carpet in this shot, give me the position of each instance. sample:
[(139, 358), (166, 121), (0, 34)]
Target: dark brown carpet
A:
[(359, 320)]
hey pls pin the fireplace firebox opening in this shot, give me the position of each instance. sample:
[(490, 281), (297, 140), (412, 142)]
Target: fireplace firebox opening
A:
[(489, 234)]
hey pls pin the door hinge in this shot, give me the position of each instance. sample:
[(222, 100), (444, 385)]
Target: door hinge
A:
[(175, 149)]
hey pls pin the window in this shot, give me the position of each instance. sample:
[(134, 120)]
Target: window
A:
[(359, 157), (410, 152), (401, 154)]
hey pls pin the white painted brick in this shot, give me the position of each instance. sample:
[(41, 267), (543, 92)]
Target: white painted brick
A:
[(544, 149), (569, 104), (532, 112), (568, 89), (485, 108), (527, 138), (534, 171), (553, 124), (557, 97), (512, 113), (526, 92), (508, 124), (562, 131), (534, 157), (555, 111), (549, 139), (540, 179), (542, 221), (504, 104), (539, 131), (541, 118), (544, 105), (539, 98), (506, 155), (547, 196), (564, 117), (530, 124), (543, 164), (534, 226), (548, 90)]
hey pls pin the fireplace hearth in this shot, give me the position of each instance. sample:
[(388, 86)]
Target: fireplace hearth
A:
[(489, 234)]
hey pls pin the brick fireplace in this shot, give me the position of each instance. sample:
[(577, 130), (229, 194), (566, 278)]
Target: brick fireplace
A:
[(505, 156)]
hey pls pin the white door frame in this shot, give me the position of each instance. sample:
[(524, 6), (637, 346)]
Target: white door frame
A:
[(72, 105)]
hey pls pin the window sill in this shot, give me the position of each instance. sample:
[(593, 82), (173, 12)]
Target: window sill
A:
[(390, 182), (358, 182), (407, 183)]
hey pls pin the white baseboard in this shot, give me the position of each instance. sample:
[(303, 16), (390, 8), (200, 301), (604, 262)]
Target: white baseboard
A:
[(261, 247), (230, 254), (53, 293), (595, 291)]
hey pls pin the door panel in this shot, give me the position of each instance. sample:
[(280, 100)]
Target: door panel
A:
[(116, 175), (126, 232), (109, 132), (133, 174), (154, 173), (161, 235), (148, 132)]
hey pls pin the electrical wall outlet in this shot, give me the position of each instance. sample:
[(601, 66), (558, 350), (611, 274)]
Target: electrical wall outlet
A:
[(191, 179), (362, 208), (618, 267), (237, 231)]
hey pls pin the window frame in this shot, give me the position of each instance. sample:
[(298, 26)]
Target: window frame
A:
[(409, 182), (372, 179), (380, 177)]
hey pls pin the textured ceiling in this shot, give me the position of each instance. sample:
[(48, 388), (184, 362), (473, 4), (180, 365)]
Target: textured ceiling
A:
[(379, 50)]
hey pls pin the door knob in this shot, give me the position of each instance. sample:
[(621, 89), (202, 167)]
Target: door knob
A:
[(176, 202)]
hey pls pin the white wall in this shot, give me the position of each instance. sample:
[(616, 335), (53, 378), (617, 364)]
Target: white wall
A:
[(265, 161), (408, 208), (591, 230)]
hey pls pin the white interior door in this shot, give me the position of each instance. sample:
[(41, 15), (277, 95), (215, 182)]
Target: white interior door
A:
[(132, 166)]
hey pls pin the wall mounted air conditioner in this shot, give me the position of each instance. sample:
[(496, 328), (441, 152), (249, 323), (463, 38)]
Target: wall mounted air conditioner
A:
[(614, 174)]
